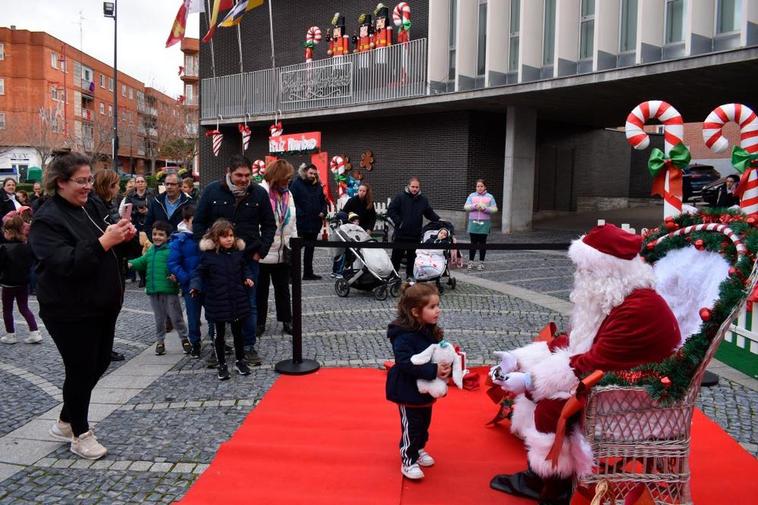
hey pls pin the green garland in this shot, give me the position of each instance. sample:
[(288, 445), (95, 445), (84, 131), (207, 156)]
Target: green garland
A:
[(669, 380)]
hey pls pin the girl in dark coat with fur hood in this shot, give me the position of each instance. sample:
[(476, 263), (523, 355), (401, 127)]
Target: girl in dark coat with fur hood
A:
[(224, 277)]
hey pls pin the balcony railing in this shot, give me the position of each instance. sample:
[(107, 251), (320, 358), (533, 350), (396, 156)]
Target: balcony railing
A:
[(378, 75)]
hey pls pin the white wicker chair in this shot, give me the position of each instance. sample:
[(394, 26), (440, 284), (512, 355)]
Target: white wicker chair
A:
[(635, 439)]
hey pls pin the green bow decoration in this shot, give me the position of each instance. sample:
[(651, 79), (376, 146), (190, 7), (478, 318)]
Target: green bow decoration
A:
[(741, 159), (406, 25), (679, 156)]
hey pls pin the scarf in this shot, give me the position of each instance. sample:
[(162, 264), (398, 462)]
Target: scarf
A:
[(236, 190), (280, 203)]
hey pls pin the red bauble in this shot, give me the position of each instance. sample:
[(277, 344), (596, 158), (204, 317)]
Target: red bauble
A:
[(699, 244), (671, 225), (650, 246), (705, 314), (665, 381), (751, 221), (733, 271)]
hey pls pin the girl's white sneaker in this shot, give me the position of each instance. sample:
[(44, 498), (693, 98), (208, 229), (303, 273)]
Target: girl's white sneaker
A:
[(61, 431), (34, 337), (413, 471), (87, 446), (424, 458)]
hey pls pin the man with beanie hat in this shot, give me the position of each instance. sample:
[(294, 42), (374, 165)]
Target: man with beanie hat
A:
[(618, 322)]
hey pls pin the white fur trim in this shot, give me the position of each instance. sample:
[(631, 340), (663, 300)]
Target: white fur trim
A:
[(538, 446), (207, 244), (522, 419), (531, 354), (581, 453), (553, 377)]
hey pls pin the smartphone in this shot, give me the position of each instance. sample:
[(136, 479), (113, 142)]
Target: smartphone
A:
[(126, 213)]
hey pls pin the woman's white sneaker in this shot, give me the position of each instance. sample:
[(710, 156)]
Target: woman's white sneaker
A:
[(413, 471), (87, 446), (61, 431), (34, 337), (424, 458), (9, 338)]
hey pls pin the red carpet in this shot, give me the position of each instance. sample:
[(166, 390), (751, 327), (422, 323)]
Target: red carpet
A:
[(332, 438)]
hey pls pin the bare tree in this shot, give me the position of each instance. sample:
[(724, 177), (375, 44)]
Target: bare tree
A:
[(43, 132)]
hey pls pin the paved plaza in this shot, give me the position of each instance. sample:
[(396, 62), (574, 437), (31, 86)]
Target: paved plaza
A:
[(163, 417)]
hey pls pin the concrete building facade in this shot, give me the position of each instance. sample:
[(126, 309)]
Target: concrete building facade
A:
[(52, 95), (526, 93)]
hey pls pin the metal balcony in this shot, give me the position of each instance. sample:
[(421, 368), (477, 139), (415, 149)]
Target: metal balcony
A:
[(379, 75)]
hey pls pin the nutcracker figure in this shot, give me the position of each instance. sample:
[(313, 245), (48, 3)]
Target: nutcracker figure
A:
[(382, 32), (339, 43), (364, 41)]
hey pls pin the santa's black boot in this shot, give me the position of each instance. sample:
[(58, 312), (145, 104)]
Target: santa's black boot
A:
[(526, 484), (556, 491)]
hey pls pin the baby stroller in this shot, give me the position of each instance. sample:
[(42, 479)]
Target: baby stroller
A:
[(431, 265), (374, 271)]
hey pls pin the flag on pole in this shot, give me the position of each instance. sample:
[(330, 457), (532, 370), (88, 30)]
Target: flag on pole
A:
[(218, 5), (180, 24), (235, 15)]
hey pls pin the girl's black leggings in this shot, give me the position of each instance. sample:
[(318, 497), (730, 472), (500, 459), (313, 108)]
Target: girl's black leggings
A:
[(239, 341), (481, 239)]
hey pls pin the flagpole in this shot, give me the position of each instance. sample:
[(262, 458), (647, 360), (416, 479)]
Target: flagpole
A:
[(271, 31), (213, 57)]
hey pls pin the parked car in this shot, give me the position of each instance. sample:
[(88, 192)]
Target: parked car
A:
[(695, 178)]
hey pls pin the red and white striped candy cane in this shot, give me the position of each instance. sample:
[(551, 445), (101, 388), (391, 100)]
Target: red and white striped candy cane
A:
[(721, 228), (673, 133), (313, 35), (259, 168), (337, 167), (715, 140), (401, 17), (246, 134), (276, 129), (217, 137)]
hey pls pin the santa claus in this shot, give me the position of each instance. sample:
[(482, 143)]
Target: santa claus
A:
[(618, 322)]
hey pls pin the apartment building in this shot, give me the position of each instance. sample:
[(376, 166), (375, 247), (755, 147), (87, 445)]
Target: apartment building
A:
[(52, 95), (528, 94)]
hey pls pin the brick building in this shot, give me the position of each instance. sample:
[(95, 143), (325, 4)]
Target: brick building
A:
[(54, 96), (526, 93), (190, 75)]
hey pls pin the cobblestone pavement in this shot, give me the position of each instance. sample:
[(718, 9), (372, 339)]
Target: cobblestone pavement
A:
[(165, 432)]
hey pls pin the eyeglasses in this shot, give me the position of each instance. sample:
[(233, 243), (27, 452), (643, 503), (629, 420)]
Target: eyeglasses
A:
[(84, 181)]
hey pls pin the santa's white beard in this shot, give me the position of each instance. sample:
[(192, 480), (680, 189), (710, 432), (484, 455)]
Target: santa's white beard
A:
[(595, 294)]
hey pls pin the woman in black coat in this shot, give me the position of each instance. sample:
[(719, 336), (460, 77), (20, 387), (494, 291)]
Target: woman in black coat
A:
[(224, 277), (363, 205), (78, 289)]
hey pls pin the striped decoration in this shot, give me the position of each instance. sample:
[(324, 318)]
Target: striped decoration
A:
[(246, 134), (217, 137), (276, 129), (401, 17), (259, 170), (313, 35), (673, 133), (720, 228), (715, 140)]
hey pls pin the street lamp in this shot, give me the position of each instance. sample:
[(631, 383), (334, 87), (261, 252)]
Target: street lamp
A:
[(109, 11)]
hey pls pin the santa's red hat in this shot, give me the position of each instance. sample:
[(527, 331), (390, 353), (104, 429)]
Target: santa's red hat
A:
[(605, 245)]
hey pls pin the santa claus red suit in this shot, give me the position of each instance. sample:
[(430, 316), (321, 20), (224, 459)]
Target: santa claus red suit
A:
[(618, 322), (382, 32), (339, 43)]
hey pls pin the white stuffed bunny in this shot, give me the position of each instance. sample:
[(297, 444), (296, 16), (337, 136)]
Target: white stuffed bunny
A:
[(442, 352)]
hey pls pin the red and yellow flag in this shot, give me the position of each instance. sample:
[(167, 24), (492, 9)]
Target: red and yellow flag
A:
[(180, 24)]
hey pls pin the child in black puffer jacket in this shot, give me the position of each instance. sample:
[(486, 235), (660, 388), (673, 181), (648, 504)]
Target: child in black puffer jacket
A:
[(16, 261), (224, 278)]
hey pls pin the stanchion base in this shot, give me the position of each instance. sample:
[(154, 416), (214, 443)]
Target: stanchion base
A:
[(710, 379), (289, 367)]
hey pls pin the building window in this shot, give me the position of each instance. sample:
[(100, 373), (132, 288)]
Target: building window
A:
[(123, 90), (513, 37), (110, 84), (453, 38), (2, 51), (110, 111), (54, 59), (102, 108), (728, 16), (628, 26), (2, 86), (674, 24), (55, 94), (548, 33), (481, 43), (2, 120), (131, 93), (102, 81), (586, 29)]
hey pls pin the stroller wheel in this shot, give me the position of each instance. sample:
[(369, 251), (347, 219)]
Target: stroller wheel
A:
[(440, 287), (381, 292), (342, 288), (452, 282), (395, 289)]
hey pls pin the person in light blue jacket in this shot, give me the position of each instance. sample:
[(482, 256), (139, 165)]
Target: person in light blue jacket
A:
[(480, 205)]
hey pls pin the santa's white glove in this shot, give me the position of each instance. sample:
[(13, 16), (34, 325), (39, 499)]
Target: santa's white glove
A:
[(516, 382), (508, 364)]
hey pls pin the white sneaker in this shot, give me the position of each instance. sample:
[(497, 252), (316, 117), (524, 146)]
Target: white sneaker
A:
[(470, 265), (87, 446), (480, 267), (10, 338), (61, 431), (424, 458), (34, 337), (412, 472)]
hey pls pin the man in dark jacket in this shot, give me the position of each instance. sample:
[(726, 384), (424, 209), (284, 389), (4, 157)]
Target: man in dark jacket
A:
[(247, 206), (167, 206), (310, 209), (407, 212)]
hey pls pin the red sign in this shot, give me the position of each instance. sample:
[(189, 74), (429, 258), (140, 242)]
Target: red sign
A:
[(308, 142)]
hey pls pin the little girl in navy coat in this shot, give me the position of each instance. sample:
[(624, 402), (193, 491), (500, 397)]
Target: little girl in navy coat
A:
[(224, 278)]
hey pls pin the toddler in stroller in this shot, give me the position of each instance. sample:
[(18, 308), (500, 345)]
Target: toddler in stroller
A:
[(432, 264)]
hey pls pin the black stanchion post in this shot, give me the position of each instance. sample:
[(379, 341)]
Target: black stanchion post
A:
[(297, 365)]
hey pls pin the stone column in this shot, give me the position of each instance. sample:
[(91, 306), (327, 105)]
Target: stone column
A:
[(519, 169)]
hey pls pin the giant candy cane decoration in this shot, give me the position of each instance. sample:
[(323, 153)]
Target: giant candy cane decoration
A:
[(246, 134), (673, 128), (217, 138), (337, 167), (715, 140), (259, 170), (312, 37), (401, 17)]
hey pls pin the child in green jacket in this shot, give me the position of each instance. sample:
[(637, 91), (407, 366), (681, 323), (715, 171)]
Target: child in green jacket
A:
[(162, 288)]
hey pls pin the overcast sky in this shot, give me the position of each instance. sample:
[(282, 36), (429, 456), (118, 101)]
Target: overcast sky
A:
[(143, 27)]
